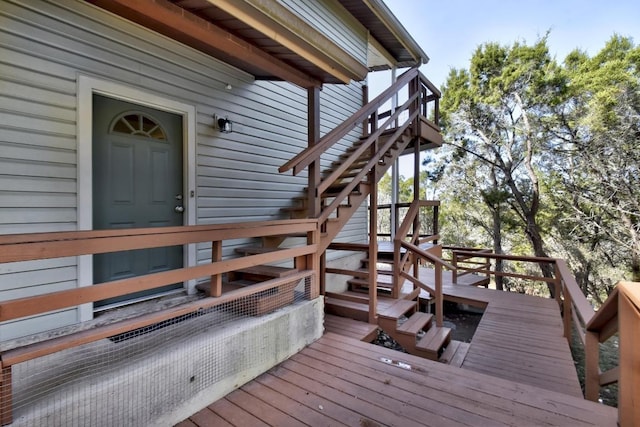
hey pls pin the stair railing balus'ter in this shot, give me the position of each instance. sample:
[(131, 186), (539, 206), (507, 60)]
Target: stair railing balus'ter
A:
[(619, 314), (407, 252), (405, 118)]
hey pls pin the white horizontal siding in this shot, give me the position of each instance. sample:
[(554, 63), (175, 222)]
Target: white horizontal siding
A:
[(45, 45)]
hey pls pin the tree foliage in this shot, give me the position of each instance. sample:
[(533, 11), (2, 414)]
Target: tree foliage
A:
[(547, 150)]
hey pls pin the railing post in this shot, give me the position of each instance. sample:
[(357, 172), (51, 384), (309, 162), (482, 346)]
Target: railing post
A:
[(439, 305), (557, 284), (629, 377), (313, 135), (567, 304), (454, 262), (365, 101), (591, 366), (435, 223), (215, 289), (373, 240)]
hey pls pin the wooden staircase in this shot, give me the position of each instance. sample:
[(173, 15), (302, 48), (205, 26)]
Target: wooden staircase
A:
[(414, 330), (335, 194)]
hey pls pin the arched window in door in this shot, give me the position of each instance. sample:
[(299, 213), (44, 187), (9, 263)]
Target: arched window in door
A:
[(140, 124)]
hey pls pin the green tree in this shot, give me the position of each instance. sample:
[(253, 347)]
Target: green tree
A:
[(599, 140), (495, 117)]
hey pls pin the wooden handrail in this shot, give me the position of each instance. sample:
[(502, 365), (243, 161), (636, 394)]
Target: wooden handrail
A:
[(326, 212), (306, 157), (619, 314), (413, 253), (426, 255), (366, 145), (53, 345), (41, 246)]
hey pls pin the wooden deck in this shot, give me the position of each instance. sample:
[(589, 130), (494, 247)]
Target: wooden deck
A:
[(343, 381), (519, 338)]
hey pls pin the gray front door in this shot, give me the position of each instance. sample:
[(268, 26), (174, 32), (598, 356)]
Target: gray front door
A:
[(137, 182)]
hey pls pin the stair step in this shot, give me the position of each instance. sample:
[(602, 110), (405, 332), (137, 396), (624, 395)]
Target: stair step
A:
[(458, 358), (416, 323), (399, 308), (348, 296), (434, 339), (254, 250), (350, 309), (268, 270), (364, 283), (449, 352)]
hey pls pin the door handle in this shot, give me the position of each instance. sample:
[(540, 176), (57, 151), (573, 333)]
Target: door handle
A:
[(179, 209)]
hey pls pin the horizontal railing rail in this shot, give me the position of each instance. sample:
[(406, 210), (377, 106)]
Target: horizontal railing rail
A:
[(43, 246), (620, 314), (308, 156)]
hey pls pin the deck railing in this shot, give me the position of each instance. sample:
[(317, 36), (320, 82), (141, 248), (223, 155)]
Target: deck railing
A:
[(467, 264), (409, 252), (391, 215), (40, 246), (620, 314)]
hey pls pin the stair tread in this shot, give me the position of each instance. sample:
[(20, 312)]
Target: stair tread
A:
[(398, 309), (433, 339), (416, 323), (348, 296), (254, 250), (345, 303), (461, 353), (449, 352), (268, 270)]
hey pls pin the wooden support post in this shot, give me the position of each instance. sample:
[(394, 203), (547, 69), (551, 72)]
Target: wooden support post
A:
[(436, 213), (312, 262), (567, 305), (373, 240), (439, 304), (592, 366), (313, 135), (365, 101), (557, 284), (323, 273), (454, 262), (216, 279), (6, 396), (629, 362)]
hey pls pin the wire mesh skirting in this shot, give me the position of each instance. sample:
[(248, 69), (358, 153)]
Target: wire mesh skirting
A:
[(136, 378)]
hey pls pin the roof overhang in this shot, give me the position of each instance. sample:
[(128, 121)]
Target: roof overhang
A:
[(269, 41), (390, 44)]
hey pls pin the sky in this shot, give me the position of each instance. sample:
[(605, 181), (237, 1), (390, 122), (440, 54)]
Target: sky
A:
[(449, 31)]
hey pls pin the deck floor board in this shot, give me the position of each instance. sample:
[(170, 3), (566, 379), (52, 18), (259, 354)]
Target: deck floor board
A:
[(519, 338), (339, 380), (517, 371)]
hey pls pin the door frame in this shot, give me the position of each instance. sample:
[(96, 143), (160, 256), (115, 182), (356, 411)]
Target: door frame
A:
[(88, 86)]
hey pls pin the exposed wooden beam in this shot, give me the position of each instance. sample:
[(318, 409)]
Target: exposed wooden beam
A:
[(179, 24), (280, 24)]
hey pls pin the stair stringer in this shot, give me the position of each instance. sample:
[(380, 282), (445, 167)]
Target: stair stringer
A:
[(334, 225)]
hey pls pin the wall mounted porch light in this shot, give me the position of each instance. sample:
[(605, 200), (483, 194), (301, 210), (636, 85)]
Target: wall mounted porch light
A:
[(224, 125)]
